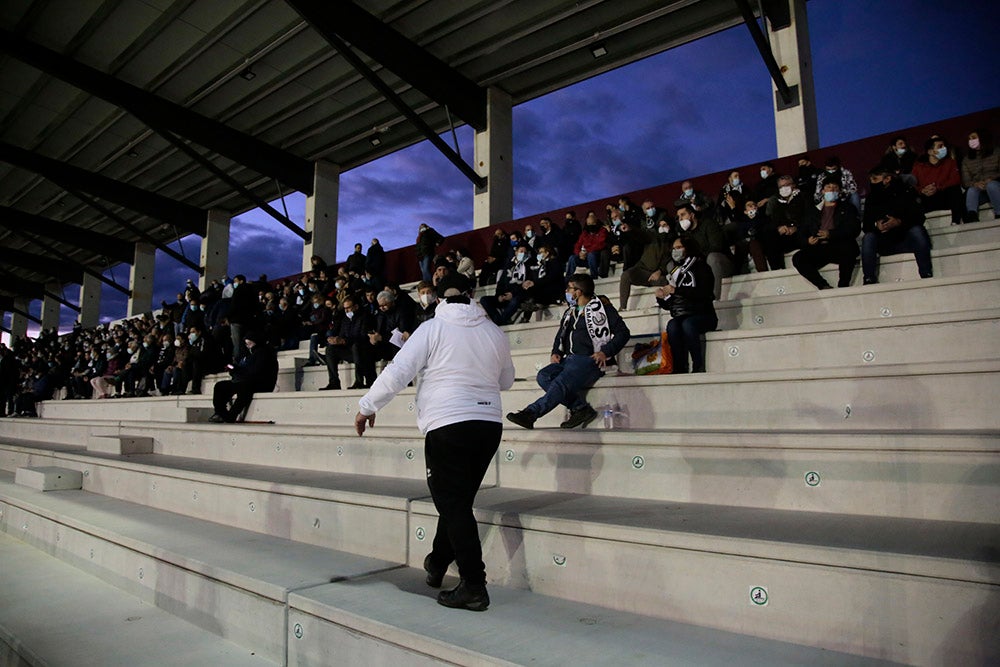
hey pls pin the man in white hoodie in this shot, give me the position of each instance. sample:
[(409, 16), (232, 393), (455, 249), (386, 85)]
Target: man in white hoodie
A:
[(464, 362)]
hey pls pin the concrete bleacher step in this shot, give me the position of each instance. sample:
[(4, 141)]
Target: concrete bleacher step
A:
[(925, 475), (233, 583), (947, 262), (55, 614), (703, 564), (391, 618)]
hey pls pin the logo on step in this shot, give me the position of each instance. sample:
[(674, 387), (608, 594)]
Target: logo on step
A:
[(758, 319), (298, 631), (410, 454), (868, 356), (638, 462), (886, 312), (509, 455), (758, 596), (559, 560), (420, 533), (812, 478)]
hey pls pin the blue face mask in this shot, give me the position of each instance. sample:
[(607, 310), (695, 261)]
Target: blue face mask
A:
[(521, 256), (570, 299), (688, 192), (830, 196), (941, 153), (192, 338), (513, 244), (539, 257), (650, 212), (736, 182)]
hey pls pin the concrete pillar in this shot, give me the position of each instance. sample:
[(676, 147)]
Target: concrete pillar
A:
[(51, 308), (19, 321), (321, 214), (796, 127), (215, 248), (141, 280), (90, 301), (494, 159)]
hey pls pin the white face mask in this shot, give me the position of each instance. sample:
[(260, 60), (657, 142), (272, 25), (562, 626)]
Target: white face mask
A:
[(900, 151), (685, 224), (785, 190), (664, 230), (763, 173), (427, 299), (350, 314), (177, 342)]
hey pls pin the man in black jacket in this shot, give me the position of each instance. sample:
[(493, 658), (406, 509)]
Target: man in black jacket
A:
[(255, 371), (243, 310), (375, 261), (893, 224), (347, 340), (830, 237)]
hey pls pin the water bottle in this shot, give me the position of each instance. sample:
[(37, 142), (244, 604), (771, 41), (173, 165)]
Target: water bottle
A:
[(609, 417)]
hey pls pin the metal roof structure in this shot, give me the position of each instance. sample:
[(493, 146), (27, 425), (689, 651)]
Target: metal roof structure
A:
[(125, 120)]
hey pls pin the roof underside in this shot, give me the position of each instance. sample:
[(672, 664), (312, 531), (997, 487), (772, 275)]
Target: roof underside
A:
[(305, 99)]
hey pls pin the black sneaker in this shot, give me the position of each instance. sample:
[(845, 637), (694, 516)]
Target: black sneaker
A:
[(580, 417), (217, 419), (523, 418), (466, 596), (434, 575)]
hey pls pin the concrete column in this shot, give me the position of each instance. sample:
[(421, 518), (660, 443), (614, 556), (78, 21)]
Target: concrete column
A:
[(494, 159), (141, 280), (18, 321), (796, 127), (215, 248), (90, 301), (321, 214), (51, 307)]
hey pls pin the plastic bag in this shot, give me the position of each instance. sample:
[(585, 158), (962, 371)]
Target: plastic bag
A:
[(653, 358)]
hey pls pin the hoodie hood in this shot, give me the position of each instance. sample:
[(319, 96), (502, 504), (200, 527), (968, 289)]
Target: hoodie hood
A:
[(461, 314)]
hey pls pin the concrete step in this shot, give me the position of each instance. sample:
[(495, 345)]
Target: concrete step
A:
[(55, 614), (707, 565), (231, 582), (924, 475), (391, 618), (947, 262)]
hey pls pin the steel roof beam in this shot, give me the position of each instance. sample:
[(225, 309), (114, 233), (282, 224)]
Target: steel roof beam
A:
[(56, 268), (185, 216), (86, 239), (391, 49), (71, 262), (153, 110), (760, 40)]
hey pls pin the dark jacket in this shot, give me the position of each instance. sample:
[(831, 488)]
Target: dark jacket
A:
[(244, 306), (572, 336), (896, 199), (258, 368), (427, 241), (694, 290), (356, 263), (375, 261), (709, 236), (789, 212), (846, 225)]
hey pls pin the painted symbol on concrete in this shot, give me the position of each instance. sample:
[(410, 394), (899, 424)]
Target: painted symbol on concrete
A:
[(758, 595), (409, 406), (277, 448), (154, 486), (559, 560), (758, 319), (638, 462), (347, 408), (847, 411), (410, 454), (24, 527), (316, 523), (298, 631), (194, 496), (868, 356), (886, 312), (734, 351), (517, 340), (91, 554), (58, 537), (140, 573), (509, 455), (340, 451), (421, 533), (781, 289), (253, 507), (812, 478), (86, 473)]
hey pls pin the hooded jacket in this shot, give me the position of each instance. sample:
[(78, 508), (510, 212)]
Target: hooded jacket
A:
[(463, 361)]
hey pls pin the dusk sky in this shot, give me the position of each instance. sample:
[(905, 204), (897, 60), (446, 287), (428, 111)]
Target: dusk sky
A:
[(879, 65)]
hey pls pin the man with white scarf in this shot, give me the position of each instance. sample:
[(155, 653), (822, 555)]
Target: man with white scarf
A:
[(590, 335)]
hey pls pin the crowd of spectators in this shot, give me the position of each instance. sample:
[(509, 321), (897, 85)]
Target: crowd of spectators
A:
[(351, 313)]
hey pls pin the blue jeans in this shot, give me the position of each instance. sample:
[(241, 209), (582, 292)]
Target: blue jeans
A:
[(593, 264), (974, 197), (426, 268), (875, 244), (684, 334), (565, 383)]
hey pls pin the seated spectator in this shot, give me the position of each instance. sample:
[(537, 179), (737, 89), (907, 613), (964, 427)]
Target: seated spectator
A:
[(588, 248), (172, 383), (981, 175), (40, 387), (510, 292), (766, 188), (893, 224), (710, 240), (10, 372), (427, 297), (731, 198), (938, 180), (392, 320), (808, 175), (833, 171), (746, 229), (495, 260), (134, 379), (544, 285), (348, 342), (164, 359), (697, 200), (256, 371), (899, 160), (830, 234), (316, 323), (631, 213), (688, 295), (203, 358), (104, 383), (571, 230), (653, 215), (529, 235), (785, 213), (463, 263), (591, 333), (552, 236), (653, 267)]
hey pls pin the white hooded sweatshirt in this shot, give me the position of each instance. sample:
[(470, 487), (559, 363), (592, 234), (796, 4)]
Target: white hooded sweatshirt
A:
[(464, 363)]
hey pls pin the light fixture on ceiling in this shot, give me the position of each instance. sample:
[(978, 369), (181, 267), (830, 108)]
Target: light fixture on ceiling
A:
[(133, 153), (375, 140), (598, 50), (248, 74)]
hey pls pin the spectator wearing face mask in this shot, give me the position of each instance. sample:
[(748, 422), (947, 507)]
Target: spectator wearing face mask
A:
[(552, 236), (767, 186), (347, 340), (938, 180), (652, 268), (899, 160), (893, 224), (588, 248), (830, 234), (833, 171), (981, 175), (808, 175), (427, 298), (631, 213), (545, 281), (652, 215), (747, 226), (256, 371), (731, 198), (700, 202), (495, 259), (688, 295), (203, 358), (510, 291), (784, 215), (710, 240)]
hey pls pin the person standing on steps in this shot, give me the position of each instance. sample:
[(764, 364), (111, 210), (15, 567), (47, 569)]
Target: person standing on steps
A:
[(590, 335), (463, 361)]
